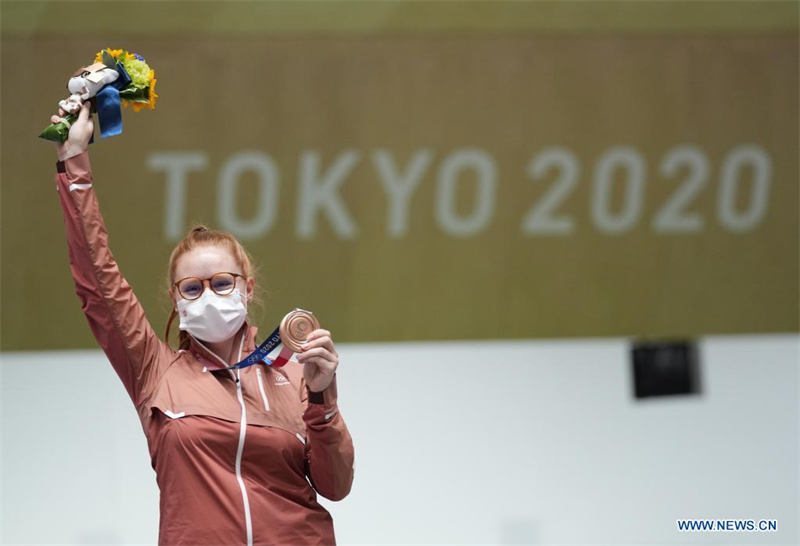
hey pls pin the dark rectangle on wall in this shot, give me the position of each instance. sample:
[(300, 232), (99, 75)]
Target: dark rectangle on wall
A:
[(665, 368)]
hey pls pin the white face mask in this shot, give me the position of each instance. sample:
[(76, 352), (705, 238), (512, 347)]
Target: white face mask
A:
[(212, 317)]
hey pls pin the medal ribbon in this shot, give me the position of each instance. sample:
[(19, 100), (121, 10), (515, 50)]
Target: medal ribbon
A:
[(261, 354), (109, 113)]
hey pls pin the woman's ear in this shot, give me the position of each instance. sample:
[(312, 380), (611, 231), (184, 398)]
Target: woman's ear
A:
[(251, 287)]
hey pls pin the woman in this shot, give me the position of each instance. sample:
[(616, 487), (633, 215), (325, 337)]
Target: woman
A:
[(238, 454)]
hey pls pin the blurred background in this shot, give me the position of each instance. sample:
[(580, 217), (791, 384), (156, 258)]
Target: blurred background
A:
[(556, 243)]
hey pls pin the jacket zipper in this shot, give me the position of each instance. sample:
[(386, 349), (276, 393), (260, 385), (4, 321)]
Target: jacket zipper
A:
[(261, 388), (242, 430)]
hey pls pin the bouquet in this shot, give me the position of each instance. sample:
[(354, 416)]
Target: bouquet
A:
[(116, 78)]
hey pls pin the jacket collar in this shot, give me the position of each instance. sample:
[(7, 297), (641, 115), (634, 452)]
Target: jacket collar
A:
[(211, 360)]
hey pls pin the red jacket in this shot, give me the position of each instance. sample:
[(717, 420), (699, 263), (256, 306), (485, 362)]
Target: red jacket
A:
[(238, 456)]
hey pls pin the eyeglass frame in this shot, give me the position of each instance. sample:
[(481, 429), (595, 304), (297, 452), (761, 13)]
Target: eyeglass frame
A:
[(207, 283)]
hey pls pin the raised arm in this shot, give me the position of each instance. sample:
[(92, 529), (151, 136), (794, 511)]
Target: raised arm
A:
[(114, 313)]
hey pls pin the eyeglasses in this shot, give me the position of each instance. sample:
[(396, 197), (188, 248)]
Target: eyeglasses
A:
[(192, 288)]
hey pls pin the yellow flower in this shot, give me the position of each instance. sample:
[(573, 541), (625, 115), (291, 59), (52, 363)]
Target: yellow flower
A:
[(114, 53), (153, 95)]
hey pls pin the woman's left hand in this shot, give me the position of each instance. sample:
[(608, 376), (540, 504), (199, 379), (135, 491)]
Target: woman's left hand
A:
[(319, 359)]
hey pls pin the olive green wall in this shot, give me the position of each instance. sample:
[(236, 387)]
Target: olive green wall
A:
[(427, 171)]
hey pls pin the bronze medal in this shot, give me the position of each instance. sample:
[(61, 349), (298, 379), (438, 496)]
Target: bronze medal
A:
[(295, 327)]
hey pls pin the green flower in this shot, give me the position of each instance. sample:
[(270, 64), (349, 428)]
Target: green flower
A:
[(138, 71)]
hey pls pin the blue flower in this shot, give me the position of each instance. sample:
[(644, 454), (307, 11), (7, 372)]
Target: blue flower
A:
[(138, 57)]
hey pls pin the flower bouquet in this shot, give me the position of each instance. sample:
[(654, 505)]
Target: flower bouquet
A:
[(116, 78)]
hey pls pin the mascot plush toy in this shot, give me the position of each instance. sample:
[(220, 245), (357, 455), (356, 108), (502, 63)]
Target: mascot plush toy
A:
[(85, 84), (116, 78)]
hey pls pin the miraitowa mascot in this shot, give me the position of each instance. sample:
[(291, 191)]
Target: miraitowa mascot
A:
[(101, 83), (85, 84)]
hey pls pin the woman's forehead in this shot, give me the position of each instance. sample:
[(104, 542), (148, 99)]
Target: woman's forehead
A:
[(204, 261)]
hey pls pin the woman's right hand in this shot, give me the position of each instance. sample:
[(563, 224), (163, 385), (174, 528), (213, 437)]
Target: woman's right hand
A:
[(79, 133)]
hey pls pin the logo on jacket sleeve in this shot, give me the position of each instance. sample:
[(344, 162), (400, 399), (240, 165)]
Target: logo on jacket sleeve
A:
[(281, 380)]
